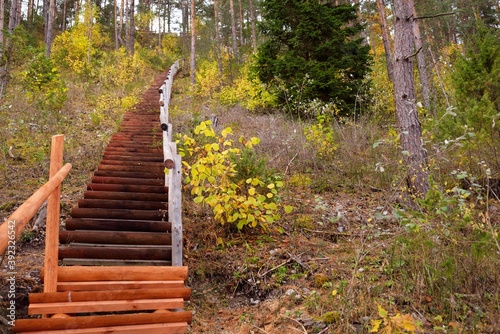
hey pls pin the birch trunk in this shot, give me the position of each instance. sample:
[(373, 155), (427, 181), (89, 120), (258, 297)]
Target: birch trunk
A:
[(404, 97)]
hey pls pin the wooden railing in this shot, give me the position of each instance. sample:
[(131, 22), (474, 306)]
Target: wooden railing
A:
[(173, 167), (12, 227)]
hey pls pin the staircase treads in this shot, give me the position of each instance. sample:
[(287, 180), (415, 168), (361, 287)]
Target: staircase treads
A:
[(118, 225), (144, 175), (118, 214), (115, 195), (132, 158), (148, 169), (136, 204), (126, 188), (128, 180), (115, 237), (143, 152), (108, 161), (120, 253)]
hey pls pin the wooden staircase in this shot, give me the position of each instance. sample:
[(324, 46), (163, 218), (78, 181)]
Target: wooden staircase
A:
[(121, 264)]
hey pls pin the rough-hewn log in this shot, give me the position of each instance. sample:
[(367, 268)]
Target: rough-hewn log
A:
[(117, 214), (127, 180), (29, 325), (127, 188), (142, 175), (120, 253), (121, 204), (148, 169), (115, 237), (117, 225), (125, 196)]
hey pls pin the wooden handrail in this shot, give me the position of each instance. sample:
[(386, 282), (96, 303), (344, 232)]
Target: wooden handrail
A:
[(173, 164), (18, 220)]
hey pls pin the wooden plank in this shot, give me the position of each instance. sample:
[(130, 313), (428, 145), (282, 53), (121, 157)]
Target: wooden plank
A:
[(127, 188), (18, 220), (132, 157), (53, 216), (108, 262), (118, 273), (119, 253), (107, 295), (116, 195), (115, 237), (117, 214), (175, 210), (127, 180), (138, 204), (148, 169), (136, 175), (30, 325), (177, 328), (117, 225), (129, 162), (116, 285)]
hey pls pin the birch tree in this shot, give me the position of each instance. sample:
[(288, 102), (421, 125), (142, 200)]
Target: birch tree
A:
[(405, 99)]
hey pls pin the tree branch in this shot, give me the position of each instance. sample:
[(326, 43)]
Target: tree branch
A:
[(414, 54), (435, 15)]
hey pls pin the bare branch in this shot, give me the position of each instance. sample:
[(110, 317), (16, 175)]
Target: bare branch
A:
[(435, 15)]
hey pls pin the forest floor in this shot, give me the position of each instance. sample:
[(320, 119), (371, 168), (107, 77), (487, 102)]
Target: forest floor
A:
[(327, 271)]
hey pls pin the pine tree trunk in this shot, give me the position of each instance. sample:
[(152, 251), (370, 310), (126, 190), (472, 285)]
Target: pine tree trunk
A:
[(254, 30), (421, 61), (131, 34), (233, 28), (217, 37), (386, 39), (404, 96), (2, 24), (65, 10), (193, 44), (13, 16), (117, 43), (50, 27), (241, 21)]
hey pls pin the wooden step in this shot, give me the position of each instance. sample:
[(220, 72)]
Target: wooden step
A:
[(115, 237), (129, 180), (127, 188), (124, 196), (158, 215), (97, 251), (117, 225)]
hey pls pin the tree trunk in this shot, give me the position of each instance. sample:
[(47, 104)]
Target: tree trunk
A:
[(241, 22), (13, 16), (193, 43), (64, 13), (254, 30), (131, 34), (233, 28), (2, 24), (29, 14), (50, 27), (404, 97), (115, 13), (217, 37), (421, 62), (386, 39)]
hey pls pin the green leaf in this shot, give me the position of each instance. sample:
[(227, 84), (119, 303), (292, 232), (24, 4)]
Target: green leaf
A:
[(288, 208)]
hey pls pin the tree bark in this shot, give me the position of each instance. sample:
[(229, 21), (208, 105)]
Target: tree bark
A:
[(2, 24), (385, 38), (421, 61), (193, 43), (13, 16), (117, 43), (254, 30), (217, 37), (64, 13), (233, 28), (404, 96), (131, 35), (50, 27), (241, 22)]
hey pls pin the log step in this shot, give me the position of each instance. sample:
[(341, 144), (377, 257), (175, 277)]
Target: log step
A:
[(127, 188), (118, 214), (124, 196), (115, 237), (108, 322), (119, 253), (128, 180), (117, 225), (148, 169)]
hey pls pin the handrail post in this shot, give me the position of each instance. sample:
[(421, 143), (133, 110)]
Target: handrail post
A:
[(53, 214)]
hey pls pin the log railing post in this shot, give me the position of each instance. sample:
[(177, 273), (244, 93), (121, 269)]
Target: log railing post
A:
[(53, 214)]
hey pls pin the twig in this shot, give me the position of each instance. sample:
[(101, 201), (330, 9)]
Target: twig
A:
[(289, 163), (296, 259), (305, 331), (260, 329), (414, 54), (272, 269), (324, 330), (435, 15)]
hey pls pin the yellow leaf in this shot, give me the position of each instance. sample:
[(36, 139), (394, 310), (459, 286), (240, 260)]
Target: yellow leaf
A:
[(251, 191), (381, 311), (405, 322), (375, 325), (334, 292)]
